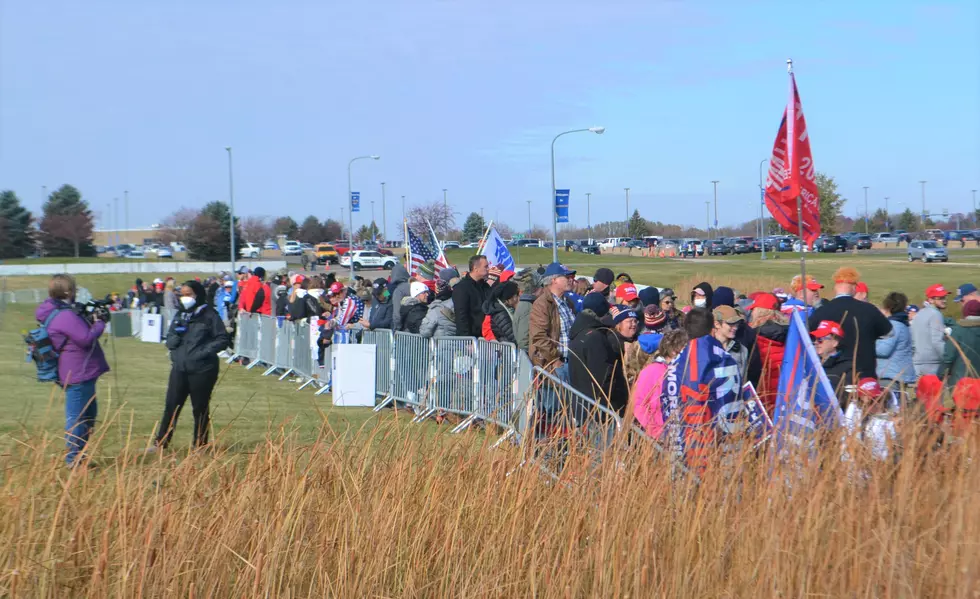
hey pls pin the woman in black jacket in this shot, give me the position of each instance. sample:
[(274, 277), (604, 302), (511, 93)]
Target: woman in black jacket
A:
[(195, 337), (500, 307)]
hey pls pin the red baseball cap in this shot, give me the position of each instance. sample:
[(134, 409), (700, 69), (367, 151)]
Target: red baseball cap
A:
[(827, 327), (765, 301), (870, 388), (335, 288), (298, 279), (627, 292), (861, 287), (937, 291)]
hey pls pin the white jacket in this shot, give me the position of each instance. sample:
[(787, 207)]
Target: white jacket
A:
[(928, 340)]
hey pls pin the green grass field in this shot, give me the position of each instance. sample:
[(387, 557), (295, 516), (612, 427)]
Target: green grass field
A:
[(246, 405)]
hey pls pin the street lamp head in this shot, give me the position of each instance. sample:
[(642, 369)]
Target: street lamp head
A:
[(376, 157), (597, 130), (228, 148)]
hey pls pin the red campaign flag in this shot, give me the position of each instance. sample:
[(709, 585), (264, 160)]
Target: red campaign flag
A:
[(791, 173)]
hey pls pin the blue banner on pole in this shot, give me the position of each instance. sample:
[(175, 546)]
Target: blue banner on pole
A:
[(355, 201), (561, 205)]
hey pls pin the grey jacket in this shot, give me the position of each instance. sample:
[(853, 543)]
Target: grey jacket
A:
[(928, 340), (894, 353), (440, 320), (522, 320), (399, 290)]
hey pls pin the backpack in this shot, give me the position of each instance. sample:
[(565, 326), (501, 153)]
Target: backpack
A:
[(42, 350)]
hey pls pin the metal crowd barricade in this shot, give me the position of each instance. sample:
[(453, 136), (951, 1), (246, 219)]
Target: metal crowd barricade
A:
[(565, 422), (136, 314), (383, 342), (304, 362), (247, 337), (168, 315), (456, 378), (497, 391), (267, 342), (284, 348), (522, 415), (411, 370)]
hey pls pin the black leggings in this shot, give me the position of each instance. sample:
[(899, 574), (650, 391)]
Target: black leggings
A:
[(199, 386)]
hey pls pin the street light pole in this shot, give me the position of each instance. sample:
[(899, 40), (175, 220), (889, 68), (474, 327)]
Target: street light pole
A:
[(627, 211), (888, 220), (374, 236), (922, 217), (384, 213), (529, 219), (115, 217), (866, 231), (126, 207), (404, 216), (551, 201), (350, 212), (231, 207), (715, 184), (707, 217), (445, 210), (588, 214), (974, 207)]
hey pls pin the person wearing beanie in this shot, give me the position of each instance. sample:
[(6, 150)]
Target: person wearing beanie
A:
[(415, 307), (440, 319), (723, 296), (426, 271), (596, 364), (961, 357), (649, 296), (447, 275), (530, 287), (398, 287), (862, 323)]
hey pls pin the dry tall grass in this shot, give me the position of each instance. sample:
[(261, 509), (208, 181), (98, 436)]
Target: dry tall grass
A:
[(389, 512)]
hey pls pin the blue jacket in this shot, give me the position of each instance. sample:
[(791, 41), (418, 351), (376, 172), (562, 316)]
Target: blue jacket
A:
[(222, 298), (894, 352)]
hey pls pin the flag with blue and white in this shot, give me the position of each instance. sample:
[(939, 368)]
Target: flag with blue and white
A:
[(806, 402), (497, 253)]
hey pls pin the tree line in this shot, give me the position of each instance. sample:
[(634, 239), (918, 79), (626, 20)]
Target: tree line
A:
[(63, 230)]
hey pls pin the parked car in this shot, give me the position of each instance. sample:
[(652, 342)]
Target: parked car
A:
[(366, 259), (249, 250), (292, 248), (470, 246), (831, 243), (903, 235), (177, 247), (588, 248), (612, 242), (135, 254), (927, 251), (533, 243), (887, 238), (961, 236), (326, 254), (741, 246), (270, 245), (784, 244), (717, 247), (862, 242), (164, 253)]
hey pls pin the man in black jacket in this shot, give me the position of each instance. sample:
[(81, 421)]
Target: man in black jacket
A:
[(862, 323), (468, 297), (194, 339), (595, 354)]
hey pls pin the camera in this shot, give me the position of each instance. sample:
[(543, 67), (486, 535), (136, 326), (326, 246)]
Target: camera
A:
[(93, 310)]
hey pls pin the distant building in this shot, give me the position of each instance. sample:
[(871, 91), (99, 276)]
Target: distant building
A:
[(153, 234)]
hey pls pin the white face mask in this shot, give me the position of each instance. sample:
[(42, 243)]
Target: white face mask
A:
[(316, 292), (187, 302), (700, 302), (300, 293)]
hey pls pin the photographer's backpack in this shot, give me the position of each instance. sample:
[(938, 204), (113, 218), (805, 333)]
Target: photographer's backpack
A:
[(42, 350)]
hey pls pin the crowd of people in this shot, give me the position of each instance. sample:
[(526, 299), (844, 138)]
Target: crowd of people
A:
[(610, 339)]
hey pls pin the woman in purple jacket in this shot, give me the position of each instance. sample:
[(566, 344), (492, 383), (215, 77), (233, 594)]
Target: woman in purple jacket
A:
[(80, 364)]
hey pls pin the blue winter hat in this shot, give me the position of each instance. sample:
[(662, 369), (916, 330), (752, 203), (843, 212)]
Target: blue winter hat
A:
[(650, 296), (622, 315), (723, 296), (596, 302)]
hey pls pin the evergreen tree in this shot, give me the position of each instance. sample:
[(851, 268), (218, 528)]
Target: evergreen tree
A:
[(16, 233), (830, 203), (209, 235), (638, 225), (473, 228), (285, 225), (66, 227), (311, 231), (907, 220)]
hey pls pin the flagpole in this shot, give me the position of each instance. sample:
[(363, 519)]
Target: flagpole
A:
[(790, 133), (408, 250), (483, 241)]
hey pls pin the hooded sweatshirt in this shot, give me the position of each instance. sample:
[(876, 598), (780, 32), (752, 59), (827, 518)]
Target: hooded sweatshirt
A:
[(595, 362), (894, 351), (522, 320), (196, 336), (399, 289), (81, 358), (708, 294)]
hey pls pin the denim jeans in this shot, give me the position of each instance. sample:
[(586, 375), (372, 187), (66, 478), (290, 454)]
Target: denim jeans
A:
[(80, 412)]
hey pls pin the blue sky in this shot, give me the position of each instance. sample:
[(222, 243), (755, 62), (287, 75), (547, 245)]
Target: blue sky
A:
[(467, 95)]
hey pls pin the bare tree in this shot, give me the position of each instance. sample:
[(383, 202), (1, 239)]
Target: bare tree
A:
[(174, 228), (437, 214), (256, 228), (504, 229), (76, 228)]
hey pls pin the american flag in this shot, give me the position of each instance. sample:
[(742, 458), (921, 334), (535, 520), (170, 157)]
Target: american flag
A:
[(422, 249)]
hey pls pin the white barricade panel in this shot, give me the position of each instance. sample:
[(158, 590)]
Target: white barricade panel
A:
[(353, 370), (151, 328)]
